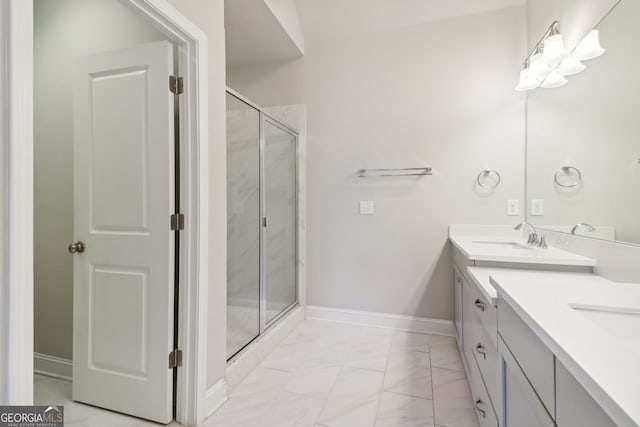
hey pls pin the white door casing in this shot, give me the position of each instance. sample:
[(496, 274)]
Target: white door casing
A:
[(124, 196)]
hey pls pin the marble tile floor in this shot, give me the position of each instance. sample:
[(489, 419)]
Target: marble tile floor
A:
[(327, 374), (48, 391)]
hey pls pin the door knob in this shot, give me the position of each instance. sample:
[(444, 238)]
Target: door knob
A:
[(78, 247)]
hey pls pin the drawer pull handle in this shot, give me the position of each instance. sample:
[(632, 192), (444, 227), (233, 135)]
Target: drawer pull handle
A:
[(479, 304), (480, 349), (482, 412)]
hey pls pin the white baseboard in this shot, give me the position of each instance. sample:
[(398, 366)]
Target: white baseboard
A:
[(382, 320), (52, 366), (215, 397)]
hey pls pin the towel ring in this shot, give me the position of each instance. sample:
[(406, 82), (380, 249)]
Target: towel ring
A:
[(567, 170), (488, 172)]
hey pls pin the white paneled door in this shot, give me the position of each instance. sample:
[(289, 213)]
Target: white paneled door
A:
[(124, 256)]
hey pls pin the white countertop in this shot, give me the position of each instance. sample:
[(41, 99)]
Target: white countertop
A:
[(481, 277), (487, 248), (601, 350)]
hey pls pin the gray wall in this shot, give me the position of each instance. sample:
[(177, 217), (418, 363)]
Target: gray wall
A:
[(439, 94), (64, 30)]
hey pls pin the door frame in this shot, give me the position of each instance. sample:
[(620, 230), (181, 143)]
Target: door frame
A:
[(16, 188)]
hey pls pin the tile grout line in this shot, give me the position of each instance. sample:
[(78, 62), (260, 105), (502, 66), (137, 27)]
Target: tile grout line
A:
[(326, 401), (384, 377), (433, 392)]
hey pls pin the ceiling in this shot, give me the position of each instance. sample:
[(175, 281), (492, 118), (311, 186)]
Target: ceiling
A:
[(324, 19), (255, 35)]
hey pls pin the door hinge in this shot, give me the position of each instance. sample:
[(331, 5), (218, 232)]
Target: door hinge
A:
[(176, 85), (177, 222), (175, 359)]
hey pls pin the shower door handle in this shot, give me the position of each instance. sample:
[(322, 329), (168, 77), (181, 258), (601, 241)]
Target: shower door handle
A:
[(265, 221)]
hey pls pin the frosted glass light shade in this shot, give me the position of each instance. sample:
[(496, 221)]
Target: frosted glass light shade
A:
[(554, 49), (570, 66), (537, 67), (527, 82), (589, 47), (555, 79)]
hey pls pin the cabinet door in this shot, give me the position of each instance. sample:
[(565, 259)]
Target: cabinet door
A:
[(520, 404), (533, 356), (457, 308), (575, 407)]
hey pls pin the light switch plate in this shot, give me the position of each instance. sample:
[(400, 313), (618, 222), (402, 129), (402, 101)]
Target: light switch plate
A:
[(513, 207), (537, 207), (367, 207)]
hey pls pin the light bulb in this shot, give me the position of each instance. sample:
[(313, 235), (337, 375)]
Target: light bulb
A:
[(589, 47), (554, 79), (554, 49), (537, 67), (527, 82), (570, 66)]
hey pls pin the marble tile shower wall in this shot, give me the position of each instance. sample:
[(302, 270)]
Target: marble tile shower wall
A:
[(296, 116), (243, 203), (243, 200), (280, 196)]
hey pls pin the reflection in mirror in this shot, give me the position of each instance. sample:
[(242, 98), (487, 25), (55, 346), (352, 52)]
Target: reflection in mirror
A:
[(583, 140)]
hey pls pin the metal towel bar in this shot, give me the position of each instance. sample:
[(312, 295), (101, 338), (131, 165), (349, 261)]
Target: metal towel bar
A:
[(370, 173)]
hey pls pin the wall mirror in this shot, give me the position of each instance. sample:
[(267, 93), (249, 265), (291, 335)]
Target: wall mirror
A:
[(583, 140)]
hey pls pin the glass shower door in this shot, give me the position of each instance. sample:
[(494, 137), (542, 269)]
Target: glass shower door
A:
[(280, 219), (243, 224)]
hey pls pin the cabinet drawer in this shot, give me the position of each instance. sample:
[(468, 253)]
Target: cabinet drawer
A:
[(574, 406), (520, 405), (482, 402), (485, 312), (486, 356), (534, 358)]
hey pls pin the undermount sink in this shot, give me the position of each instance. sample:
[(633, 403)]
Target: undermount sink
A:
[(622, 322), (606, 308), (510, 245)]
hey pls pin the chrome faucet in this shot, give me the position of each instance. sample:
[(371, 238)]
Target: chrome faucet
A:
[(533, 236), (589, 227)]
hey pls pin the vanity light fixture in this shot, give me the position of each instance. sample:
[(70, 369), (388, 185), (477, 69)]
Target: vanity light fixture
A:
[(554, 50), (589, 47), (539, 68), (554, 79), (549, 62), (543, 60), (527, 82), (570, 66)]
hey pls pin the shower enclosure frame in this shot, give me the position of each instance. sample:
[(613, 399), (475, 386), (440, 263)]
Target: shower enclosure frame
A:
[(265, 117)]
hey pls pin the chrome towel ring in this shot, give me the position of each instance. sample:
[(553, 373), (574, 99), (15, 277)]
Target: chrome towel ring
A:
[(485, 173), (568, 170)]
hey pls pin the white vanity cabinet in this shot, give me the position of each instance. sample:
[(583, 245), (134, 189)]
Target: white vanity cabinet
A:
[(476, 329), (521, 406), (537, 389), (511, 372), (457, 301), (574, 406)]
